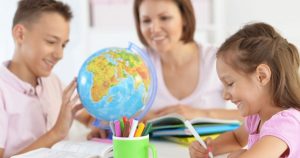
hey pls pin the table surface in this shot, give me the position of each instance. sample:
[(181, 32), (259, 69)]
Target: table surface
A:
[(167, 149)]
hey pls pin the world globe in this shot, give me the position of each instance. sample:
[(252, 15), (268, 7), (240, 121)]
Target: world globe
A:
[(117, 82)]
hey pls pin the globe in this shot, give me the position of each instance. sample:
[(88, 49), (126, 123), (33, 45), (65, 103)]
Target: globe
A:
[(116, 82)]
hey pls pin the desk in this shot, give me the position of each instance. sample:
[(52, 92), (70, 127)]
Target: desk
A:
[(165, 149)]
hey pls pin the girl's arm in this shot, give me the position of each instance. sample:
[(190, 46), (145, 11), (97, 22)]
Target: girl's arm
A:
[(230, 141), (267, 146), (1, 152)]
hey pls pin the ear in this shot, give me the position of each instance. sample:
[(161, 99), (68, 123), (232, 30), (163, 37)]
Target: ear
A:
[(18, 32), (263, 74)]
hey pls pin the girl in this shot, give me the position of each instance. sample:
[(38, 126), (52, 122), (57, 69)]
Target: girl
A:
[(259, 69)]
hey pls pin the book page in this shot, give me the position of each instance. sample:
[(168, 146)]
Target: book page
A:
[(87, 147), (50, 153)]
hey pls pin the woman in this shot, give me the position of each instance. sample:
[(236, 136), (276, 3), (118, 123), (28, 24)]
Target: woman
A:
[(187, 79)]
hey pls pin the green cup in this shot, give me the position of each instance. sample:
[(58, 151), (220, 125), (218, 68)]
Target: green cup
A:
[(136, 147)]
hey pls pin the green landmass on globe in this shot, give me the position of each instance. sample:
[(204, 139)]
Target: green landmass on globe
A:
[(117, 82), (127, 64)]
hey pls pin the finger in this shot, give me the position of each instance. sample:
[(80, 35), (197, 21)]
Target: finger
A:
[(69, 90), (102, 134), (76, 108), (74, 100)]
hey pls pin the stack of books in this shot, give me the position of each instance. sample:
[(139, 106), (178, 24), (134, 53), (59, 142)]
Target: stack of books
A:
[(171, 127)]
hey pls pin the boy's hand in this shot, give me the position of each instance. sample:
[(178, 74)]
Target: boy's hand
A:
[(198, 151), (97, 133), (67, 111)]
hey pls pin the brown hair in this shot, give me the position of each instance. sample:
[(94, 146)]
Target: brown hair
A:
[(187, 12), (30, 10), (259, 43)]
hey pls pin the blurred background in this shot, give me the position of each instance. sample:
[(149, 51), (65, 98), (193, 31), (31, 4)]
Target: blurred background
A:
[(99, 24)]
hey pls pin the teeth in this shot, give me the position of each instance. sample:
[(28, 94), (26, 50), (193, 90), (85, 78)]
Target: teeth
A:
[(158, 38), (49, 62)]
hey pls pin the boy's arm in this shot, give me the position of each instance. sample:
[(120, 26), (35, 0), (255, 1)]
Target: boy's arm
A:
[(46, 140), (230, 141), (268, 146)]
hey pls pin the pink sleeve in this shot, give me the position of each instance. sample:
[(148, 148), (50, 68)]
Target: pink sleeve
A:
[(285, 126), (3, 122)]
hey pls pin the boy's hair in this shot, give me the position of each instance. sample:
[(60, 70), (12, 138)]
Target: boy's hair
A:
[(186, 11), (259, 43), (30, 10)]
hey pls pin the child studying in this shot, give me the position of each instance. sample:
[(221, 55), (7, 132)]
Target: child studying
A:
[(35, 111), (259, 71)]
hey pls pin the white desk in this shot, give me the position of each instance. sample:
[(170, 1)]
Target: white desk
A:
[(165, 149)]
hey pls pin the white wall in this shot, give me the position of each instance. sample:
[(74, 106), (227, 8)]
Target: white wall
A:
[(283, 15), (229, 16)]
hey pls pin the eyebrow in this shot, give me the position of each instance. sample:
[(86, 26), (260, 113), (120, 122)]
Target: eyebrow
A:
[(57, 38)]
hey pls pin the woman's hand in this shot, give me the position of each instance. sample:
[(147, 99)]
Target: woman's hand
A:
[(186, 111), (67, 112)]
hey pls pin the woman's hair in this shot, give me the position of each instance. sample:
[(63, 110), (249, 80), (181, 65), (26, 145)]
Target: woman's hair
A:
[(259, 43), (30, 10), (187, 13)]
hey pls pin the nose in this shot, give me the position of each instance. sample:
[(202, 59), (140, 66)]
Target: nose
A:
[(59, 52), (155, 26), (226, 95)]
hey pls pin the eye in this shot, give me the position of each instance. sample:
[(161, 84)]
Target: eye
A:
[(146, 21), (230, 84), (165, 18), (51, 42)]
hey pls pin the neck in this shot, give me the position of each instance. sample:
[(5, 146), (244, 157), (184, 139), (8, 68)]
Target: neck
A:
[(267, 113), (180, 56), (22, 71)]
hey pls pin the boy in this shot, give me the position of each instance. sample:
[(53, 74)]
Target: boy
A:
[(34, 110)]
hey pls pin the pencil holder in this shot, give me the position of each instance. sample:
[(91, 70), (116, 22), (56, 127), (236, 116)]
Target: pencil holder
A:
[(136, 147)]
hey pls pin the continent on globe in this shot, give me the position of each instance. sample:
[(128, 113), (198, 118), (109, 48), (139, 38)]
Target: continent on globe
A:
[(117, 82)]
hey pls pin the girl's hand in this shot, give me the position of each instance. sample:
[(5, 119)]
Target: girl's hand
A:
[(67, 112), (196, 150)]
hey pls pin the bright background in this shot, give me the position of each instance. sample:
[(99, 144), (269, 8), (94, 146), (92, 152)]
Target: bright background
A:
[(113, 25)]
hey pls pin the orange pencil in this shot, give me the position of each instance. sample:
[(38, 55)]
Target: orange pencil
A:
[(139, 130)]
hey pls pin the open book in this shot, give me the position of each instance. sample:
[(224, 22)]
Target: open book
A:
[(72, 149), (173, 125)]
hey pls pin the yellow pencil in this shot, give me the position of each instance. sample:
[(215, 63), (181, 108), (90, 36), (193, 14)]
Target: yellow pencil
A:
[(139, 130)]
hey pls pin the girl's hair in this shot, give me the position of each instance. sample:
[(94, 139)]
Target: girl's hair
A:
[(259, 43), (187, 13)]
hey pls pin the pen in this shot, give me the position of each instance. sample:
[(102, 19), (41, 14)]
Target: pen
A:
[(121, 125), (196, 135), (126, 128), (139, 130), (111, 125), (133, 128), (117, 128), (147, 129)]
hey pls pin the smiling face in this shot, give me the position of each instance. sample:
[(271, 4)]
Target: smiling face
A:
[(40, 44), (161, 24), (247, 91)]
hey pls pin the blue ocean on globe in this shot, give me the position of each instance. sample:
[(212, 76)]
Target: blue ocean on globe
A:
[(117, 82)]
